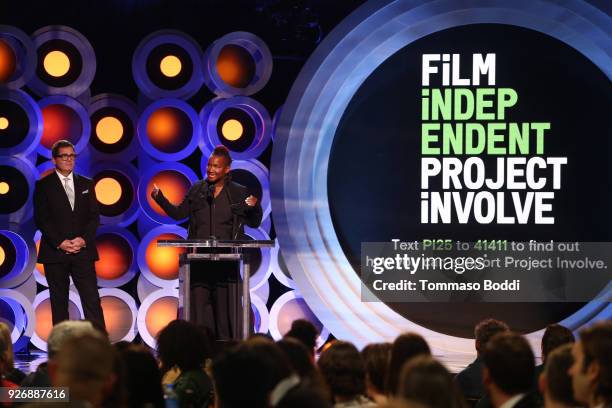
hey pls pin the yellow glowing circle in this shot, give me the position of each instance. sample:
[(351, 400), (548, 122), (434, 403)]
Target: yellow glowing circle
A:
[(56, 63), (170, 66), (2, 256), (3, 123), (109, 130), (232, 130), (108, 191), (4, 187)]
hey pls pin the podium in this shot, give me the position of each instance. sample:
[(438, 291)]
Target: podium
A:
[(218, 250)]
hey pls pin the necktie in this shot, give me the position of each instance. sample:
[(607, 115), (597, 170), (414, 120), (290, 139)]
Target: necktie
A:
[(69, 192)]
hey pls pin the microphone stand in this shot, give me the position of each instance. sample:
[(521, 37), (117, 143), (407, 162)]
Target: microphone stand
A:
[(210, 197)]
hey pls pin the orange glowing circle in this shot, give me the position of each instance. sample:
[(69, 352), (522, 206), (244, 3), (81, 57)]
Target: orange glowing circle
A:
[(170, 66), (56, 63), (174, 186), (108, 191), (160, 313), (2, 256), (8, 61), (109, 130), (60, 122), (117, 317), (232, 129), (235, 66), (39, 267), (44, 323), (4, 123), (4, 187), (163, 126), (163, 262), (115, 257)]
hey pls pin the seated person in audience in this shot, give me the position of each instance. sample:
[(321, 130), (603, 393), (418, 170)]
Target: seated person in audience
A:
[(301, 362), (470, 378), (304, 331), (142, 377), (11, 373), (60, 333), (257, 374), (376, 359), (508, 370), (405, 347), (86, 366), (554, 336), (4, 347), (426, 381), (182, 348), (343, 369), (554, 382), (591, 370)]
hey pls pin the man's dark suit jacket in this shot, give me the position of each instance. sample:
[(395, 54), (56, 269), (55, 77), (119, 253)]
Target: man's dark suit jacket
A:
[(57, 221), (195, 206), (470, 380), (529, 400)]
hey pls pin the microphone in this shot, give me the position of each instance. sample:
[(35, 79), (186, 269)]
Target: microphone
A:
[(210, 192)]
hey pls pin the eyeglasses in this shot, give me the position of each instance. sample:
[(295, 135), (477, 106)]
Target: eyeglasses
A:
[(65, 156)]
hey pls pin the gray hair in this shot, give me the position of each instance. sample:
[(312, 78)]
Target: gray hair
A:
[(66, 330)]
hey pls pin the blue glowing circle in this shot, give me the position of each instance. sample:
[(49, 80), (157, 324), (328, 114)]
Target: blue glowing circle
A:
[(30, 174), (126, 106), (73, 298), (141, 319), (257, 49), (83, 46), (142, 254), (189, 147), (131, 305), (23, 313), (18, 274), (35, 122), (279, 316), (25, 52), (143, 192), (126, 169), (79, 110), (211, 112), (163, 37), (128, 237)]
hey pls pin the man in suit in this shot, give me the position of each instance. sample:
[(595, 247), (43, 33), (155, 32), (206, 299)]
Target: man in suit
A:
[(220, 208), (508, 370), (470, 378), (66, 213), (591, 370), (554, 337), (555, 384)]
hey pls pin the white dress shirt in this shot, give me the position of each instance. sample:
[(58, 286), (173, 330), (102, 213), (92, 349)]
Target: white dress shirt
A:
[(70, 181), (512, 401)]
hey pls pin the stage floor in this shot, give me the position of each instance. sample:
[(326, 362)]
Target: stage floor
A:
[(29, 362)]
